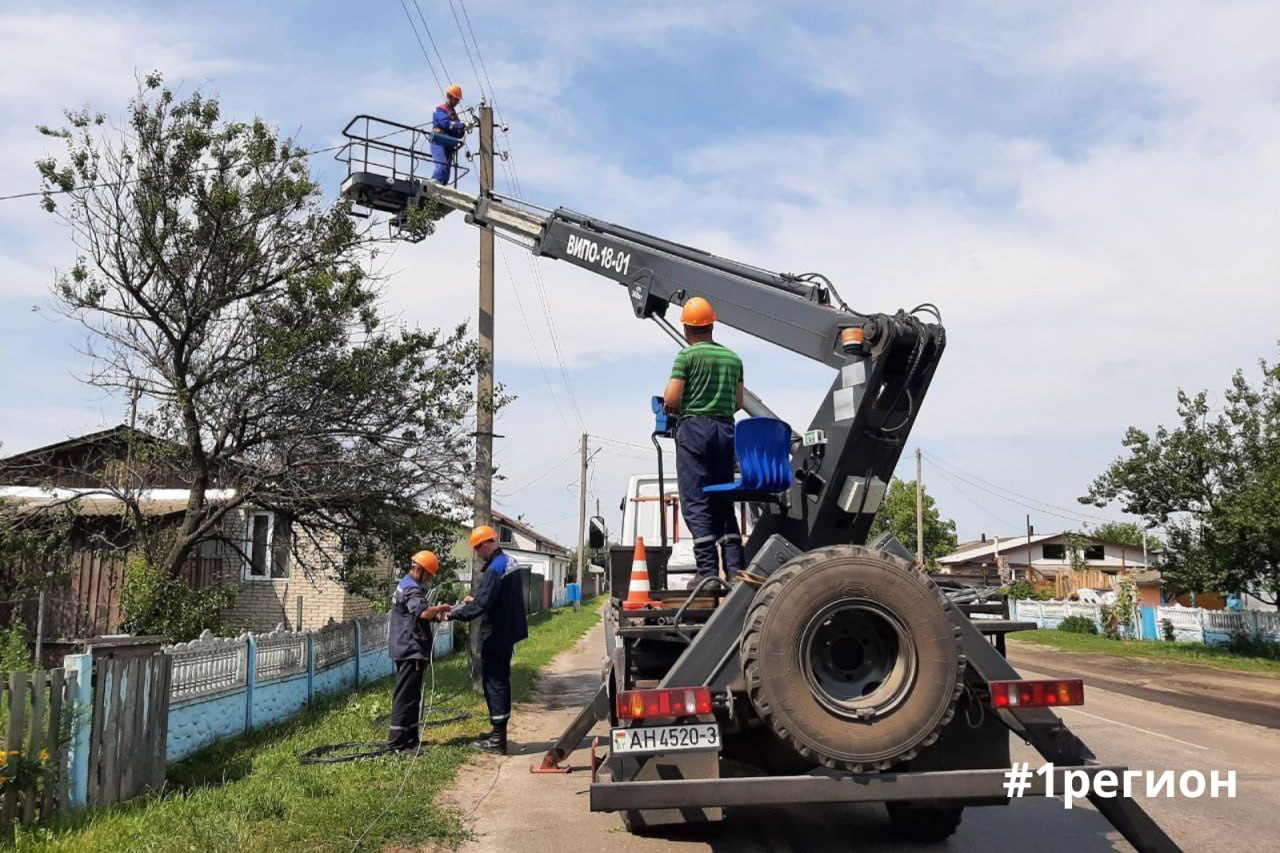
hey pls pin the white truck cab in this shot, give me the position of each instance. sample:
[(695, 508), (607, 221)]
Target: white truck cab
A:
[(640, 517)]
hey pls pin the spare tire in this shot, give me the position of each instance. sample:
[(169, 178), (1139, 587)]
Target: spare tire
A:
[(851, 658)]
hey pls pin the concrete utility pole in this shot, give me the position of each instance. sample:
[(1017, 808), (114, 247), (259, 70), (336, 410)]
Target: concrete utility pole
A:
[(1028, 572), (919, 514), (483, 510), (582, 510)]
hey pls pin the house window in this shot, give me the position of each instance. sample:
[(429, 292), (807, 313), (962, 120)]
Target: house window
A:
[(267, 541), (505, 536), (1094, 552), (1055, 551)]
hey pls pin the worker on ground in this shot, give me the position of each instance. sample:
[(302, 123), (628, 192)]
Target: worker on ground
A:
[(499, 604), (704, 391), (409, 646), (445, 123)]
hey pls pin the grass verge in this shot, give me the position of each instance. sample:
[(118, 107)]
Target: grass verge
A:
[(1198, 653), (252, 794)]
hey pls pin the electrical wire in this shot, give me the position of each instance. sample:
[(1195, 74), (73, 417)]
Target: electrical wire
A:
[(425, 55), (537, 353), (466, 47), (964, 494), (1018, 498), (513, 185), (417, 753), (431, 39), (541, 476)]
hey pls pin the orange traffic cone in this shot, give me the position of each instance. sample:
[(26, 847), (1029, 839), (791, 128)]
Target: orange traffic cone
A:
[(638, 589)]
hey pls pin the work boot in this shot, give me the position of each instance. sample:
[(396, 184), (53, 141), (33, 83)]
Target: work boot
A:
[(496, 742)]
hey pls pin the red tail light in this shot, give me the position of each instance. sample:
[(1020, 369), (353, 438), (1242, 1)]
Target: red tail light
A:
[(655, 704), (1037, 694)]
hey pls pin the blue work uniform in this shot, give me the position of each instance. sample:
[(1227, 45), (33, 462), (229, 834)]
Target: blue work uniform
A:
[(499, 604), (409, 645), (445, 122)]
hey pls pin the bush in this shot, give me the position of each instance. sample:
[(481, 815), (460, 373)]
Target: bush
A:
[(1253, 646), (1078, 625), (1023, 590), (14, 654), (152, 602)]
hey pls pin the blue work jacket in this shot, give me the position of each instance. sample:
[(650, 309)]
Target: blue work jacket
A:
[(500, 601), (409, 635)]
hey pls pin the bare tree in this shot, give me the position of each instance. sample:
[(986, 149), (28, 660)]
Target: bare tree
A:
[(217, 284)]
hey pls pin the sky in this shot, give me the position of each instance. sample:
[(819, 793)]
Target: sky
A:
[(1087, 190)]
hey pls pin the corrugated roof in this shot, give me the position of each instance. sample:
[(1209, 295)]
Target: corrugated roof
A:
[(989, 547)]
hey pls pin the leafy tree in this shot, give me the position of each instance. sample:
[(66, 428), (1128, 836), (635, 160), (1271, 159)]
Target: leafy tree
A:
[(1124, 532), (1074, 544), (1211, 482), (898, 516), (217, 283)]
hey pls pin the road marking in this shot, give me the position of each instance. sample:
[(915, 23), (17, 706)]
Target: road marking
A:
[(1135, 728)]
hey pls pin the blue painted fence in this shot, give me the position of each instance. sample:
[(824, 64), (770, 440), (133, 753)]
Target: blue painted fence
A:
[(1188, 624), (221, 688)]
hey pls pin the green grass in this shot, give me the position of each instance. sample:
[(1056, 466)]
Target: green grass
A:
[(1199, 653), (252, 794)]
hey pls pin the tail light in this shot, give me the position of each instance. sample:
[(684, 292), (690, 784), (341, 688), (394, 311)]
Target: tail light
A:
[(655, 704), (1037, 694)]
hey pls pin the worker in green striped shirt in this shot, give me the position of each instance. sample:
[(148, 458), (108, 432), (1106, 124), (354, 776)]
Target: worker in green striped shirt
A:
[(705, 390)]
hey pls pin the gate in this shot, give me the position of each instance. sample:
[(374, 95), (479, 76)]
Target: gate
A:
[(129, 729)]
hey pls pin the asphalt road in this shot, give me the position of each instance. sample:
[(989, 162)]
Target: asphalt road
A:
[(509, 809)]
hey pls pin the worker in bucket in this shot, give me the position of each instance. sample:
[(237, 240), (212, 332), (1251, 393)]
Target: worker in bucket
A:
[(446, 134), (500, 606), (704, 391), (409, 646)]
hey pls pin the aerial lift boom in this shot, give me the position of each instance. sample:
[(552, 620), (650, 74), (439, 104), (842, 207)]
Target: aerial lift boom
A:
[(841, 464)]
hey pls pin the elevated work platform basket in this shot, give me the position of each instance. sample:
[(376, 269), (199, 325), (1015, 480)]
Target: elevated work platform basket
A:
[(387, 165)]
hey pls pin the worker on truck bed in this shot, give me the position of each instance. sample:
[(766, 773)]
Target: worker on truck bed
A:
[(409, 645), (445, 123), (500, 605), (704, 391)]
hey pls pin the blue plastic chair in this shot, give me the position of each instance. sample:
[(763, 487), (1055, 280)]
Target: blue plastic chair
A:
[(763, 447)]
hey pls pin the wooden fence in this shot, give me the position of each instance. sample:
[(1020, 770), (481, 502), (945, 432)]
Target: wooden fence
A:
[(130, 722), (37, 708), (87, 602)]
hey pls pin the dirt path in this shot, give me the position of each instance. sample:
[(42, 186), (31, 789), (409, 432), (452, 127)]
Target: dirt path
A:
[(511, 809), (1245, 696)]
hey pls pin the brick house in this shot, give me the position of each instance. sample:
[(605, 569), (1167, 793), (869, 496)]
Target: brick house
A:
[(255, 556)]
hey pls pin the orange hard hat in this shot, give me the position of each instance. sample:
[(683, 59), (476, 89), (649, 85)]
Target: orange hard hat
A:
[(454, 91), (483, 533), (426, 561), (697, 312)]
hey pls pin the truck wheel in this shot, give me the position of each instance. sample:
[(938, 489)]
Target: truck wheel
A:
[(924, 823), (851, 659)]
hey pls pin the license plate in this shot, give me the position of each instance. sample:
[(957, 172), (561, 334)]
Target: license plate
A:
[(652, 739)]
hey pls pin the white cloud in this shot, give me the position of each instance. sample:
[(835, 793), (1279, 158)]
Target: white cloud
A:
[(1086, 190)]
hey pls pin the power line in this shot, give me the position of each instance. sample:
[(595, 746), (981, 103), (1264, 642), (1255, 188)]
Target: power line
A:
[(512, 178), (541, 476), (964, 494), (431, 39), (425, 55), (532, 340), (466, 47), (1020, 499)]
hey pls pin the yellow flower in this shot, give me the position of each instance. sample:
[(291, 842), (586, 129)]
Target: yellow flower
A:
[(44, 755), (4, 758)]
